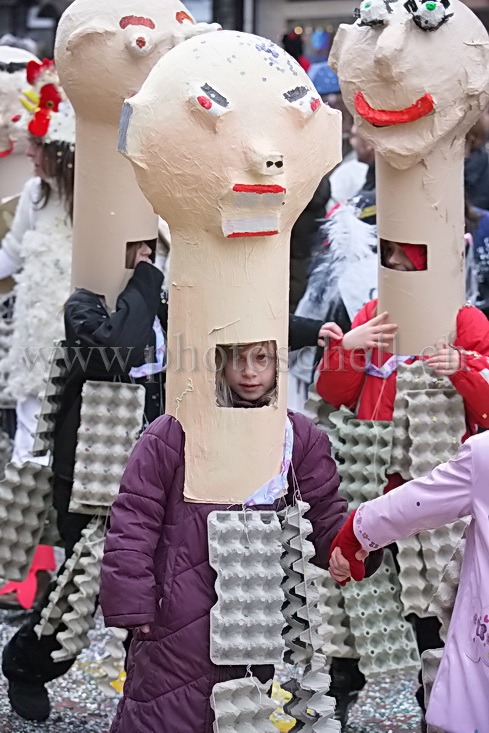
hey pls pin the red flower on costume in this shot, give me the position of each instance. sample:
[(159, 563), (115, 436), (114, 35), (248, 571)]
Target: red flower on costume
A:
[(49, 101), (34, 68)]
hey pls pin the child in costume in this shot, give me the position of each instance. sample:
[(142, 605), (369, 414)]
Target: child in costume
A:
[(156, 575), (459, 700), (37, 251)]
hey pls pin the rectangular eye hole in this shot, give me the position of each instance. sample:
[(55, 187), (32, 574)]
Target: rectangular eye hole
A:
[(135, 249), (403, 257), (246, 374)]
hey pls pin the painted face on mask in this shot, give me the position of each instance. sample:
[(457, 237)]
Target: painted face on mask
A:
[(121, 47), (413, 74), (229, 135)]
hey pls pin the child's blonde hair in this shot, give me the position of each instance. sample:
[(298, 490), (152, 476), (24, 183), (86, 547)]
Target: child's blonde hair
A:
[(224, 394)]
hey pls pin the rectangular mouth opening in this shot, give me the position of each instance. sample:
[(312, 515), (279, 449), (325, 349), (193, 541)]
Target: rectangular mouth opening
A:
[(138, 249), (246, 374), (403, 257)]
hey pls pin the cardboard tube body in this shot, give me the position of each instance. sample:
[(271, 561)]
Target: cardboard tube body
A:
[(226, 293), (110, 211), (423, 205)]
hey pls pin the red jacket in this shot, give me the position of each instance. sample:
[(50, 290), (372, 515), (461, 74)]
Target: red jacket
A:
[(342, 380)]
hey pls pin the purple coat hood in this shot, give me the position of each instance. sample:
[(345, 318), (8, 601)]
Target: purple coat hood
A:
[(156, 571)]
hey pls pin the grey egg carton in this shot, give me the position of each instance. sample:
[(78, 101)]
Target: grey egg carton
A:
[(50, 402), (6, 446), (436, 426), (430, 663), (7, 400), (110, 421), (310, 705), (242, 706), (438, 547), (443, 601), (58, 603), (334, 631), (247, 621), (25, 499), (318, 411), (79, 616), (428, 419), (362, 450), (300, 610), (416, 591), (112, 662), (384, 640)]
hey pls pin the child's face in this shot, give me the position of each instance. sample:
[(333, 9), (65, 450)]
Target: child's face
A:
[(251, 371)]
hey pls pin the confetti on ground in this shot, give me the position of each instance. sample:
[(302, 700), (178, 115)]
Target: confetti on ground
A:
[(387, 705)]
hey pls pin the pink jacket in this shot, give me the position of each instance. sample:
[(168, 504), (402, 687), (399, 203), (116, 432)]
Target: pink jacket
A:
[(459, 701)]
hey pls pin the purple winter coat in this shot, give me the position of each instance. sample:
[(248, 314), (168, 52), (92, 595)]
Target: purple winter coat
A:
[(156, 571)]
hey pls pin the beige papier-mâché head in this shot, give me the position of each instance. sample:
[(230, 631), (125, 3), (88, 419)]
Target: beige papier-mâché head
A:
[(413, 74), (116, 43), (229, 141), (104, 52)]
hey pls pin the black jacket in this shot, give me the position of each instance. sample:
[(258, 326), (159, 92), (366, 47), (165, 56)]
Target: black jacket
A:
[(476, 178), (102, 346)]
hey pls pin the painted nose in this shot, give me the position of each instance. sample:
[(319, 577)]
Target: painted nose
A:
[(388, 49), (271, 164)]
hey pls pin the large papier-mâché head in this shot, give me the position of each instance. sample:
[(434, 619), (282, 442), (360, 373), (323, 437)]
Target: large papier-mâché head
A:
[(413, 74), (229, 136), (121, 41)]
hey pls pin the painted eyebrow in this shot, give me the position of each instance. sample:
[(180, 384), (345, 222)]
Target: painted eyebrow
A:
[(295, 94), (215, 96)]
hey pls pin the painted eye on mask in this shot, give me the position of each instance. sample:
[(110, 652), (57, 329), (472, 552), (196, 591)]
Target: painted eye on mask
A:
[(373, 13), (305, 100), (429, 15), (212, 101)]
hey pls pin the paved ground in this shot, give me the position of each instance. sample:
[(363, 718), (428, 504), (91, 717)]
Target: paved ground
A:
[(386, 706)]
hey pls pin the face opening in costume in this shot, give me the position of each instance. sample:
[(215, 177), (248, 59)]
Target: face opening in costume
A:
[(246, 373), (403, 257)]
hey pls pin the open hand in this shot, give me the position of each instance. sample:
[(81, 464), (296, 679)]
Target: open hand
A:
[(329, 330), (376, 333), (446, 361), (339, 567)]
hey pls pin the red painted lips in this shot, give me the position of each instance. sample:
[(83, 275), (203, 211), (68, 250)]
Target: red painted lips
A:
[(385, 117)]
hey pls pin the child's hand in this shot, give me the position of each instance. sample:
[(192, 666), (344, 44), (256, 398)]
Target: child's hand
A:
[(144, 629), (445, 361), (339, 567), (376, 333), (331, 331)]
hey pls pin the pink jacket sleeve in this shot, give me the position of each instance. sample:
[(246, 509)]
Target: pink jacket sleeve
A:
[(426, 503)]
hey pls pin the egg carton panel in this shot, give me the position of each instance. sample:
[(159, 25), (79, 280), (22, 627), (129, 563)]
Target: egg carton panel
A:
[(25, 499), (6, 446), (242, 706), (111, 419), (112, 662), (363, 452), (247, 621), (443, 601), (300, 610), (437, 546), (310, 705), (318, 411), (334, 631), (430, 663), (384, 640), (78, 618), (416, 590), (50, 402), (436, 426), (7, 400)]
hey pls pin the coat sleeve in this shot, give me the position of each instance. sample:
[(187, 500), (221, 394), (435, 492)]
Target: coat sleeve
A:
[(24, 220), (342, 372), (112, 343), (303, 332), (427, 503), (472, 380), (127, 593)]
